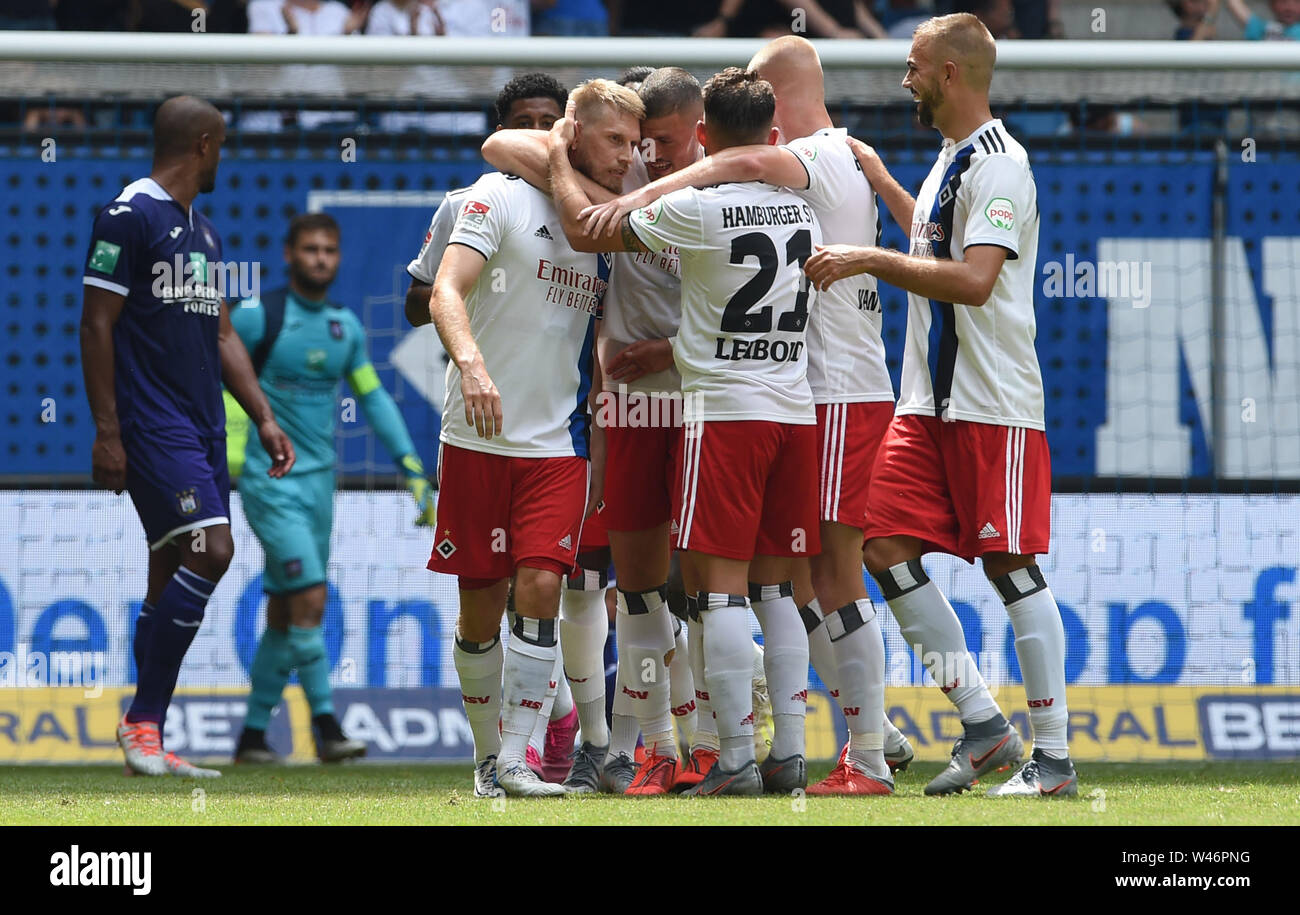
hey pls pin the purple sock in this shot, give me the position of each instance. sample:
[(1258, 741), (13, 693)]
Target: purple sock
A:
[(143, 633), (176, 619)]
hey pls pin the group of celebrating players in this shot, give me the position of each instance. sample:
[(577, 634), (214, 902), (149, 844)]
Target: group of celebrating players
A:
[(663, 328), (788, 464)]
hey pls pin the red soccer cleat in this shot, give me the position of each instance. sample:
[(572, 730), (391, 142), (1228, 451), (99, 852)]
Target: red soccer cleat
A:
[(847, 780), (692, 771), (557, 750), (657, 775)]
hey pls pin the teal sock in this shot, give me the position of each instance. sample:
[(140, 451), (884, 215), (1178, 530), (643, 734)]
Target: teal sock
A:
[(312, 662), (272, 665)]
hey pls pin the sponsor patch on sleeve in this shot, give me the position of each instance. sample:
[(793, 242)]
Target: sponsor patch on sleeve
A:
[(474, 213), (650, 214), (1001, 213), (104, 257)]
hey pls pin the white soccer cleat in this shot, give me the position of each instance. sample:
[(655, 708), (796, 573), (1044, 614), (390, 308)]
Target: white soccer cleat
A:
[(520, 781), (184, 769), (142, 745), (485, 779)]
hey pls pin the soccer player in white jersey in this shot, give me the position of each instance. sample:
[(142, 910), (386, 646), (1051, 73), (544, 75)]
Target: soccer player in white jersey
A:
[(641, 413), (852, 389), (531, 101), (749, 415), (515, 308), (965, 467)]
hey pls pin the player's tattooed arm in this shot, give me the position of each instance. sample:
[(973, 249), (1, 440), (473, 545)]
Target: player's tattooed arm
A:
[(965, 282), (240, 379), (524, 153), (459, 271), (901, 204), (769, 164), (99, 312)]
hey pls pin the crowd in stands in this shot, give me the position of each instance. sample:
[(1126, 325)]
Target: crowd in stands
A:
[(1196, 19), (712, 18)]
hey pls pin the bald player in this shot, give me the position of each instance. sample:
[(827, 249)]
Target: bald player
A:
[(964, 468), (855, 403), (154, 354)]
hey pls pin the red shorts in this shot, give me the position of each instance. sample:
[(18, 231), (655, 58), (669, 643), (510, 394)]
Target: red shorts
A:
[(497, 512), (965, 488), (594, 531), (849, 435), (747, 489), (640, 470)]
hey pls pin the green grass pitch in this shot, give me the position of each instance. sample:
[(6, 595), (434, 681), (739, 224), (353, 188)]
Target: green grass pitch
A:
[(1112, 794)]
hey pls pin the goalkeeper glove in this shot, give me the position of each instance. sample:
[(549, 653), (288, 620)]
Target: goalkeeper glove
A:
[(420, 489)]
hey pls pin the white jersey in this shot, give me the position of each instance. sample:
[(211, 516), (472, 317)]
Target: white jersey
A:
[(963, 362), (644, 301), (846, 355), (741, 348), (532, 313), (424, 267)]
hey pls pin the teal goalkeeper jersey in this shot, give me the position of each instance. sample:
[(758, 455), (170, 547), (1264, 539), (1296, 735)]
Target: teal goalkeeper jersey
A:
[(318, 346)]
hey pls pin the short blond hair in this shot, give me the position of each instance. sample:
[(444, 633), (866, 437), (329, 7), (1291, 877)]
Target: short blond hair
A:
[(963, 39), (593, 97)]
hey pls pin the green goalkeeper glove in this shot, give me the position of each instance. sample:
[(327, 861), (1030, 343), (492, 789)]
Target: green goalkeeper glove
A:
[(420, 489)]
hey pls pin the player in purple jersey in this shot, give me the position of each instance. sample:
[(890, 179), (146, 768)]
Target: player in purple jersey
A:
[(156, 344)]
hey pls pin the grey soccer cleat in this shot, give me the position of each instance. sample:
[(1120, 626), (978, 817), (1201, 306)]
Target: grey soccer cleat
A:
[(618, 774), (520, 781), (252, 749), (976, 756), (744, 781), (900, 757), (1041, 776), (783, 776), (485, 779), (142, 745), (585, 773)]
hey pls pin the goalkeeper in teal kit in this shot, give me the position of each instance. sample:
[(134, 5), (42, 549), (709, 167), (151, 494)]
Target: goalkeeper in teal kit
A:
[(301, 346)]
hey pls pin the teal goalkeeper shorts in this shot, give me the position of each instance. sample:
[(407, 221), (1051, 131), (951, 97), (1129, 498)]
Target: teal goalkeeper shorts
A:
[(292, 518)]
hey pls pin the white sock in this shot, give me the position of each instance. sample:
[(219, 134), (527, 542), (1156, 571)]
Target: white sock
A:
[(530, 659), (785, 661), (819, 648), (648, 636), (478, 666), (563, 706), (859, 649), (933, 631), (584, 627), (706, 727), (729, 673), (681, 684), (1040, 648), (538, 738), (624, 728)]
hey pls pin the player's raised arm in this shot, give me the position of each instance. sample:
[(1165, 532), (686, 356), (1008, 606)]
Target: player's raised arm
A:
[(964, 282), (770, 164), (901, 204), (240, 379), (523, 153), (99, 313), (460, 269)]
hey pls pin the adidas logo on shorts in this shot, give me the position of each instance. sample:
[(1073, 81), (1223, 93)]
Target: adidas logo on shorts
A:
[(988, 531), (545, 233), (673, 528), (566, 543)]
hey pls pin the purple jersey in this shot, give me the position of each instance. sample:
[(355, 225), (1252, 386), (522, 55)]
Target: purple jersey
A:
[(167, 368)]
